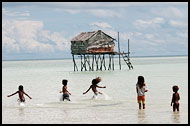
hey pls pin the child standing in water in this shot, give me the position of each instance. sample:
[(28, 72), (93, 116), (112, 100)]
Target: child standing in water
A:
[(175, 98), (141, 89), (20, 94), (94, 86), (65, 92)]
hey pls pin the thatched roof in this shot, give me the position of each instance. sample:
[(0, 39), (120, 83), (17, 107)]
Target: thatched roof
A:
[(83, 36)]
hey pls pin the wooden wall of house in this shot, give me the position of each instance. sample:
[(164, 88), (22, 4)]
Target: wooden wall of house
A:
[(78, 47)]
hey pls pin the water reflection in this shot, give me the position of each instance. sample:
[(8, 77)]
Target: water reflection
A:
[(176, 117), (21, 111), (142, 116)]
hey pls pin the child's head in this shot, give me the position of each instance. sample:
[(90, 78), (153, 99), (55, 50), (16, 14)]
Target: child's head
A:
[(64, 82), (140, 81), (99, 79), (20, 88), (96, 80), (175, 88)]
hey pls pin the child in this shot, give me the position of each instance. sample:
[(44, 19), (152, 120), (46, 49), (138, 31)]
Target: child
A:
[(175, 98), (94, 85), (141, 89), (20, 93), (66, 93)]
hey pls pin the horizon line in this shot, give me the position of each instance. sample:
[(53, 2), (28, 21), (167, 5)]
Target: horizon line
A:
[(76, 58)]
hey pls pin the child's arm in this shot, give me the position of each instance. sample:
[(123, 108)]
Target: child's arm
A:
[(27, 95), (145, 87), (67, 91), (87, 90), (61, 90), (12, 94), (172, 99), (101, 87), (178, 97)]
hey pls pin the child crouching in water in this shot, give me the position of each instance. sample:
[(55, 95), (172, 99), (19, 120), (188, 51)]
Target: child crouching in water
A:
[(65, 92), (175, 98), (20, 94), (94, 86), (141, 89)]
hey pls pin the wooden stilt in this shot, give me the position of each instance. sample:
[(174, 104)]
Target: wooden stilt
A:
[(92, 62), (75, 65), (112, 62)]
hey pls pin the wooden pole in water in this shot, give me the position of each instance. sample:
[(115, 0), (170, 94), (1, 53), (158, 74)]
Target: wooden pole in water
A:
[(119, 52), (75, 65)]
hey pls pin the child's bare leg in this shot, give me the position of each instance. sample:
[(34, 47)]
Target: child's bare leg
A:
[(178, 107), (143, 106), (139, 105), (174, 107)]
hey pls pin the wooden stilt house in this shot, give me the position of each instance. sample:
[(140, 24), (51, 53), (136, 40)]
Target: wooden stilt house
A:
[(92, 42), (96, 45)]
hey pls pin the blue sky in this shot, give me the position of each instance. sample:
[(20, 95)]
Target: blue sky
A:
[(43, 30)]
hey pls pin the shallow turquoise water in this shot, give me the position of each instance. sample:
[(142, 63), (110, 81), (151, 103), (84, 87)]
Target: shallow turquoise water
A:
[(42, 81)]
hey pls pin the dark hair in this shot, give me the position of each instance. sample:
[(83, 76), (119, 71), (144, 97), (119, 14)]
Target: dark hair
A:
[(175, 88), (140, 81), (20, 88), (94, 82), (64, 82)]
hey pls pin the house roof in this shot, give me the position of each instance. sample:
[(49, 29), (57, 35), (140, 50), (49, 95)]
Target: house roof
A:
[(83, 36)]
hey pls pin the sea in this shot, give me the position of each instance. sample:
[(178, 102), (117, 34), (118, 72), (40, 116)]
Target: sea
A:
[(42, 80)]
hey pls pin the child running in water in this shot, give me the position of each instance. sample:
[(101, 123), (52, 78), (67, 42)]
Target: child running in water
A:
[(65, 92), (20, 94), (141, 89), (175, 98), (94, 86)]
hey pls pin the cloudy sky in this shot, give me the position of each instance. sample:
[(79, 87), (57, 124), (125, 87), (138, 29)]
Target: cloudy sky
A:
[(34, 30)]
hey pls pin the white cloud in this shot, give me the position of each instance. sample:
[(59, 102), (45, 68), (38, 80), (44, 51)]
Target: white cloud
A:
[(15, 13), (170, 12), (101, 25), (149, 22), (104, 13), (71, 11), (176, 23), (29, 36)]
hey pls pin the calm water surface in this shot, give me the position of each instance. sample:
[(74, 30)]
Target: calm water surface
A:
[(42, 81)]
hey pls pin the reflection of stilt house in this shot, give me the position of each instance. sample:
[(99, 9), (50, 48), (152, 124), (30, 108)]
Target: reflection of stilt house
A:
[(96, 45)]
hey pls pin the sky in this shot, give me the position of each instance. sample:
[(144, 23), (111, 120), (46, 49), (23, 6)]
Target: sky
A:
[(43, 30)]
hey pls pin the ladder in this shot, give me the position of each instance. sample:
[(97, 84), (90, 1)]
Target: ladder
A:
[(127, 60)]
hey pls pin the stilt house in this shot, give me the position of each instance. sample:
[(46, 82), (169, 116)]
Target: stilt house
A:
[(92, 42)]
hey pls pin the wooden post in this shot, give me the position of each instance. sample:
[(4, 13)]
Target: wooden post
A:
[(74, 63), (119, 52), (92, 62), (112, 62), (104, 62), (81, 63), (109, 67), (85, 62), (88, 61)]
